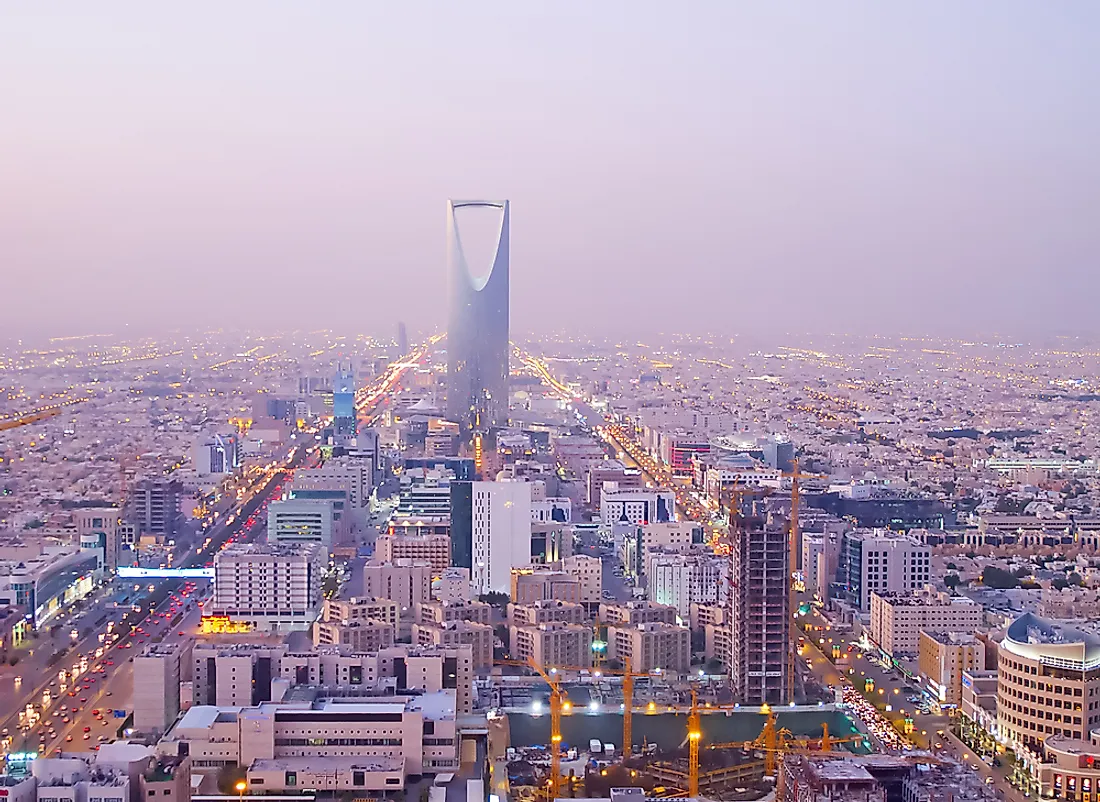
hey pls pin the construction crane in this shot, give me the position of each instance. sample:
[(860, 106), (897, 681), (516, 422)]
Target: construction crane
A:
[(557, 701), (26, 420), (628, 676)]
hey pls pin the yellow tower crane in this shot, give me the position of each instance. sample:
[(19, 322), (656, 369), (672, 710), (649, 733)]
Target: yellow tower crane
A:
[(557, 701)]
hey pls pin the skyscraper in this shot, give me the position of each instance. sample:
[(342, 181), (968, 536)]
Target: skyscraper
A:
[(757, 606), (343, 406), (402, 339), (477, 330)]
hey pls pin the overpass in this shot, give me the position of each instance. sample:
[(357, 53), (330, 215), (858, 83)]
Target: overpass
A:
[(130, 572)]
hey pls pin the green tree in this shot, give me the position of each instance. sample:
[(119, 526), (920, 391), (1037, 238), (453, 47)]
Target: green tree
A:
[(951, 581), (995, 577)]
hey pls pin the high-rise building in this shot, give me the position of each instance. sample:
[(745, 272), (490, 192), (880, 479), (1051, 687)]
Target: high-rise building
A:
[(402, 339), (155, 506), (879, 561), (477, 330), (274, 587), (758, 611), (158, 671), (491, 531), (343, 406)]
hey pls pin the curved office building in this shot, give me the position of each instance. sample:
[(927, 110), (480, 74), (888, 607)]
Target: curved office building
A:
[(477, 331)]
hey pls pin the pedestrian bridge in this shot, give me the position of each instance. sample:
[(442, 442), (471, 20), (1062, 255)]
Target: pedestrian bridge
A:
[(130, 572)]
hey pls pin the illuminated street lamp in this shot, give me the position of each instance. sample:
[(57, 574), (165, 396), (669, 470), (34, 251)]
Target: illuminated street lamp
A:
[(240, 786)]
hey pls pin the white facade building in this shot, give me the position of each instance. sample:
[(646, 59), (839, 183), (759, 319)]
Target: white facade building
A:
[(300, 521), (271, 586), (500, 529), (636, 505)]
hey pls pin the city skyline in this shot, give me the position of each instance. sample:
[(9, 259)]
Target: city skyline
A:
[(738, 170)]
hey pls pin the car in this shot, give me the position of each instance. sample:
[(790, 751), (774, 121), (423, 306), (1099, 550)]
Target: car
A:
[(64, 719), (83, 700), (87, 737), (87, 729), (95, 712), (180, 632), (110, 693), (68, 737)]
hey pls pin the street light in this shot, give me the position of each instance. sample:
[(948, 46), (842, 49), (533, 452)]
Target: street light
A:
[(240, 786)]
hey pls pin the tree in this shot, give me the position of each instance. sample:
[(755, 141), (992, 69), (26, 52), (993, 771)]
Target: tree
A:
[(1021, 572), (951, 581), (1059, 583), (495, 598), (1076, 579), (999, 578), (952, 567)]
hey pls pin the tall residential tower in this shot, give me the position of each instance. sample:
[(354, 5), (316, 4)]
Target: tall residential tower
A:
[(477, 330)]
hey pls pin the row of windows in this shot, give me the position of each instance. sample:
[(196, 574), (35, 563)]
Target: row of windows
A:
[(1065, 690), (1043, 729), (1040, 714)]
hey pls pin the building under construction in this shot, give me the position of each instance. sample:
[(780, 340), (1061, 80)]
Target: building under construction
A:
[(758, 604)]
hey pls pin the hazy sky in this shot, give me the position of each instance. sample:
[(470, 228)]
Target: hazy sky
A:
[(842, 166)]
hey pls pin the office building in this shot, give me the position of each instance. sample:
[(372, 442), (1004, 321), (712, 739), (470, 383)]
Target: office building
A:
[(157, 674), (344, 425), (943, 657), (637, 506), (104, 522), (154, 505), (354, 475), (490, 531), (879, 561), (477, 329), (551, 644), (301, 520), (215, 455), (271, 587), (479, 637), (434, 549), (897, 619), (759, 615), (402, 339), (613, 471), (1048, 681), (651, 646), (407, 582)]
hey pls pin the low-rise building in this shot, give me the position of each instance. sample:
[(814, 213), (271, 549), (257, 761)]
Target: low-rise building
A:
[(407, 582), (651, 646), (637, 612), (443, 612), (359, 636), (534, 583), (434, 549), (546, 611), (588, 571), (553, 644), (479, 637)]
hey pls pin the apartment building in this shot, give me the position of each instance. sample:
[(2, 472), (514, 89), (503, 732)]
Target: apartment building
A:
[(546, 611), (359, 636), (158, 671), (479, 637), (556, 643), (355, 609), (651, 646), (407, 582), (589, 574), (637, 612), (443, 612)]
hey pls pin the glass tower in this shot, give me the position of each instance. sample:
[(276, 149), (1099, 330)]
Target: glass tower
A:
[(477, 330)]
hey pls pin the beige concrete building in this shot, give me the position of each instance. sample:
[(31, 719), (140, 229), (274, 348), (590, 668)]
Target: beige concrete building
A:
[(546, 611), (942, 659), (651, 646), (443, 612), (639, 612), (359, 636), (435, 549), (356, 609), (702, 615), (589, 573), (479, 637), (531, 584), (553, 644), (897, 619), (406, 582), (158, 671), (673, 535), (1048, 683)]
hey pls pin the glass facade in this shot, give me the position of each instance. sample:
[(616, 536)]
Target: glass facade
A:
[(477, 331)]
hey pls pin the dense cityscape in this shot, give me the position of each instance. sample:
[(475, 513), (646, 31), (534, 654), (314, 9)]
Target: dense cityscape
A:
[(458, 565)]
